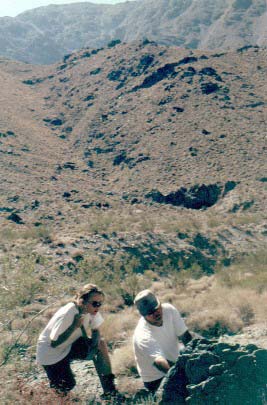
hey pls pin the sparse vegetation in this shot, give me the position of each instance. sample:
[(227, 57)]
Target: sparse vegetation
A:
[(215, 305)]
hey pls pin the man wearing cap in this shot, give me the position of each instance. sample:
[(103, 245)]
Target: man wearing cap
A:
[(156, 338)]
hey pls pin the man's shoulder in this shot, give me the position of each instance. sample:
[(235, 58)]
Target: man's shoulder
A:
[(170, 310), (168, 307), (140, 329)]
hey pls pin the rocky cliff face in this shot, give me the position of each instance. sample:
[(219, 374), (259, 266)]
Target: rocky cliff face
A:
[(45, 34)]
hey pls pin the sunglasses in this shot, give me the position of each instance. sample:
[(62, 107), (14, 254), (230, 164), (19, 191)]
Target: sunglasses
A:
[(95, 304), (153, 311)]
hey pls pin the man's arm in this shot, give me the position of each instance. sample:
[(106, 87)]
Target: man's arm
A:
[(161, 364), (77, 322), (186, 337)]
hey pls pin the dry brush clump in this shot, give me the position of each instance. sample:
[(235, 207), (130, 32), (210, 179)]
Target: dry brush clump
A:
[(123, 361), (249, 271), (118, 326), (220, 309)]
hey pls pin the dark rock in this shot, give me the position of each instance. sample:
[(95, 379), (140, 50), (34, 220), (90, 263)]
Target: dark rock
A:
[(202, 377), (178, 109), (165, 100), (122, 157), (196, 197), (145, 62), (113, 43), (68, 129), (56, 122), (89, 97), (115, 75), (95, 71), (209, 71), (32, 82), (246, 47), (35, 204), (15, 198), (188, 59), (78, 258), (6, 209), (229, 186), (15, 218), (163, 72), (188, 74), (6, 134), (197, 369), (69, 165), (62, 67), (208, 88)]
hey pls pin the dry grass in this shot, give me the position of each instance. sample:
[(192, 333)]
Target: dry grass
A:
[(118, 326), (123, 362)]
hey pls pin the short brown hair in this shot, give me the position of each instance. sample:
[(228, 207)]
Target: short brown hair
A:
[(86, 291)]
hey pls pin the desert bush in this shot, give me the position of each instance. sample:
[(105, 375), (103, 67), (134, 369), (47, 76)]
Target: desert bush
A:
[(7, 234), (20, 283), (211, 308), (213, 323), (117, 275), (119, 326), (42, 233), (123, 360), (244, 218), (130, 384), (249, 271)]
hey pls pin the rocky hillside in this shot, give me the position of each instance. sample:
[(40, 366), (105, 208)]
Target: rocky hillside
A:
[(134, 140), (45, 34)]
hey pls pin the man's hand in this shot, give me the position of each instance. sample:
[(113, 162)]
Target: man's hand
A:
[(186, 337), (162, 364), (76, 323)]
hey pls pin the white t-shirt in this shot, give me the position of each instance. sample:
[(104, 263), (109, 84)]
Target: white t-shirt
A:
[(62, 319), (151, 341)]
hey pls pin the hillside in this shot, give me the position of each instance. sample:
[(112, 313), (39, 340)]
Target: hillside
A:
[(155, 151), (45, 34)]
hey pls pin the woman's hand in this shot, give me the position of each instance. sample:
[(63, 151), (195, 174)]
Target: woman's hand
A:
[(78, 321)]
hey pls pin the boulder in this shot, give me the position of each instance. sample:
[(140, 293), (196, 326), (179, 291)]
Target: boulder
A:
[(209, 372)]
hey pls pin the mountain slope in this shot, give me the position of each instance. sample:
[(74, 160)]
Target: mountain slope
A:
[(135, 124), (45, 34)]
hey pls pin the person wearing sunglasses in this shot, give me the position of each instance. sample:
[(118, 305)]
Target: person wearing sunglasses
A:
[(156, 339), (65, 338)]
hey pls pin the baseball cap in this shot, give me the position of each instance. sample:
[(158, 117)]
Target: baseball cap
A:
[(146, 302)]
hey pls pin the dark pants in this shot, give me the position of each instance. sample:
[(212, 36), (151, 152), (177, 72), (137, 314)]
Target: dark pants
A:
[(152, 386), (60, 374)]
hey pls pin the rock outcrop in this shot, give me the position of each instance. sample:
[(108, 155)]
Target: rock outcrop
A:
[(212, 372)]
